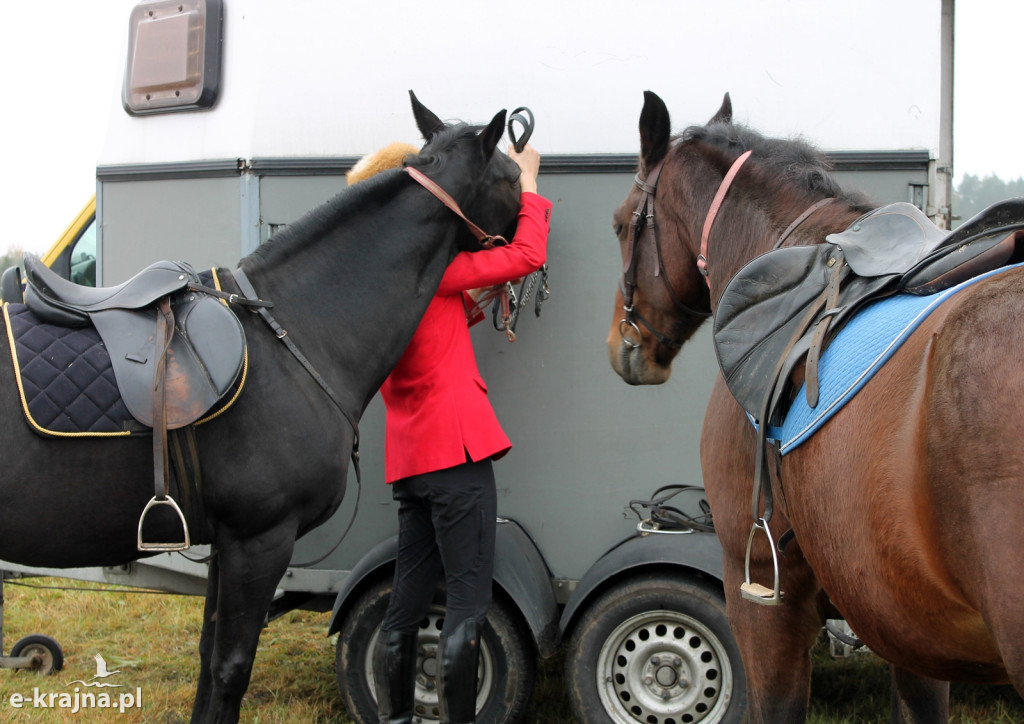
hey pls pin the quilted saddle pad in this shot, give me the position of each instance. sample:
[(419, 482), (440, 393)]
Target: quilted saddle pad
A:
[(65, 378)]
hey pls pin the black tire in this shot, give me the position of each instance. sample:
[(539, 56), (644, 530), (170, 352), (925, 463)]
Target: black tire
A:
[(47, 651), (507, 661), (656, 650)]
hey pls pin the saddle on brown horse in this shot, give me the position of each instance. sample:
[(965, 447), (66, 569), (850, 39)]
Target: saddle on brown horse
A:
[(175, 348), (785, 306)]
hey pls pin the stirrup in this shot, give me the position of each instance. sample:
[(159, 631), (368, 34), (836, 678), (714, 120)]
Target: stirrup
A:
[(755, 591), (184, 545)]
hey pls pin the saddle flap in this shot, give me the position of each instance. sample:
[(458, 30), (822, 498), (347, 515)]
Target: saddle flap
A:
[(759, 312), (204, 359), (889, 240)]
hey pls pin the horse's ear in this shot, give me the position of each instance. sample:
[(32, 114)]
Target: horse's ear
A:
[(492, 134), (655, 128), (426, 121), (724, 114)]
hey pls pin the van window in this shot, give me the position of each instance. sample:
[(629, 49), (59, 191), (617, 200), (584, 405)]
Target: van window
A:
[(83, 256)]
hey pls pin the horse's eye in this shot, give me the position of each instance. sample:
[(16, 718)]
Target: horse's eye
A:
[(617, 228)]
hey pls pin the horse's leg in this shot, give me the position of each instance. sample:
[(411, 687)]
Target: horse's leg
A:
[(250, 570), (918, 699), (774, 642), (206, 638)]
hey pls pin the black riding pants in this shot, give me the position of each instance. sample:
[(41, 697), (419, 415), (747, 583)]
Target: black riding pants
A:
[(446, 525)]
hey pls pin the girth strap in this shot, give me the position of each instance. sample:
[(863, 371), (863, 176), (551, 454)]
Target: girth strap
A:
[(245, 286)]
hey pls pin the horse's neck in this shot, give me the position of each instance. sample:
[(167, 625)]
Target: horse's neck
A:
[(756, 231), (352, 300)]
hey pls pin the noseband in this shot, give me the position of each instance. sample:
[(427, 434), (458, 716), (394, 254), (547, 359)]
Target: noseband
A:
[(643, 218)]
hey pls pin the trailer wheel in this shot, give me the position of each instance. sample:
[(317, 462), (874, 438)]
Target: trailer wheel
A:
[(505, 677), (656, 651), (48, 651)]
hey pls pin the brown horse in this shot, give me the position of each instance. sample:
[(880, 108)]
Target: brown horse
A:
[(907, 505)]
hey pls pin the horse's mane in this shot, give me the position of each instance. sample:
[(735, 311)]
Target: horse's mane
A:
[(355, 198), (325, 217), (793, 162)]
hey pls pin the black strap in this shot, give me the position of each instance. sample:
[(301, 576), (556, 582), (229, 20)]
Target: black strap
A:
[(227, 297), (247, 289)]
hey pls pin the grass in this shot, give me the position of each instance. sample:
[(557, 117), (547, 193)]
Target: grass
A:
[(153, 641)]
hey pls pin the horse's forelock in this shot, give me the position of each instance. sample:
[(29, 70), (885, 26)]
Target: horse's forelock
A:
[(433, 153)]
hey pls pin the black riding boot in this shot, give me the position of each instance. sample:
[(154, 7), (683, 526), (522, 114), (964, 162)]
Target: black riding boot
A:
[(456, 685), (394, 666)]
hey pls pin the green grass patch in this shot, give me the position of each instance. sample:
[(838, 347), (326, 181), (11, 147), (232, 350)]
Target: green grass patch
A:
[(153, 639)]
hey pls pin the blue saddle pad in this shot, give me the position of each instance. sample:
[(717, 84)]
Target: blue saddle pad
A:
[(858, 351)]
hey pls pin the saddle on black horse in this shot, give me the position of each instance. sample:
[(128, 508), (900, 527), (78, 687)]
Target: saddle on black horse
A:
[(784, 307), (175, 350)]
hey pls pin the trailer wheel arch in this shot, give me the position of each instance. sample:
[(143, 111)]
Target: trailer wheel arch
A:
[(697, 555), (519, 572)]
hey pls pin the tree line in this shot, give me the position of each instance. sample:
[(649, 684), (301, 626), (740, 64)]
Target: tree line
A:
[(976, 193)]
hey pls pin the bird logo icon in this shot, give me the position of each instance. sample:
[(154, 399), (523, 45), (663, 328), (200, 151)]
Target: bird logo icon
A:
[(101, 673), (101, 669)]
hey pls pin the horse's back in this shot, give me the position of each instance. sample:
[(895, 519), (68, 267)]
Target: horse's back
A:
[(921, 481)]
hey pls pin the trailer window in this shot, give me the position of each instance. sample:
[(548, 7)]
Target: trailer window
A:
[(174, 49)]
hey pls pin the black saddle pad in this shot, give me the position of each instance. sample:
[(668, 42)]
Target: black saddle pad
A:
[(65, 378)]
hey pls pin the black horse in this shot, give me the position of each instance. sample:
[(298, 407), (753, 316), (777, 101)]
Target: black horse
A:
[(349, 283)]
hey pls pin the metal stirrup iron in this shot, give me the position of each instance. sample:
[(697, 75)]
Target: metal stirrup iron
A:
[(757, 592)]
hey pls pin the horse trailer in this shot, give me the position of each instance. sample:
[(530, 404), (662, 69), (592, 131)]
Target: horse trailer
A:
[(243, 116)]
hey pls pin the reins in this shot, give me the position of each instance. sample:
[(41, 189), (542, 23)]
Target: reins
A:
[(246, 287)]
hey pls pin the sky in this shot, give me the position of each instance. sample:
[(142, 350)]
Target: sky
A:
[(62, 63)]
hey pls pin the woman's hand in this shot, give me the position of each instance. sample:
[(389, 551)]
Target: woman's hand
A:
[(529, 162)]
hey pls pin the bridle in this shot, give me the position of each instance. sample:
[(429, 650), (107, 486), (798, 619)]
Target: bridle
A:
[(643, 219)]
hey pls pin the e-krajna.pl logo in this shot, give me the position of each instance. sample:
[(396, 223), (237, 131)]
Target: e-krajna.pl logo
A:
[(78, 700)]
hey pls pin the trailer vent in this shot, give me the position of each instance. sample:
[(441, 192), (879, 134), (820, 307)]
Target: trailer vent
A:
[(174, 56)]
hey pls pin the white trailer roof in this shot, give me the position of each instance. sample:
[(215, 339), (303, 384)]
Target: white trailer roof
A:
[(326, 78)]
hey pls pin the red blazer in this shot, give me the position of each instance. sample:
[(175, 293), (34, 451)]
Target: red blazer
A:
[(436, 400)]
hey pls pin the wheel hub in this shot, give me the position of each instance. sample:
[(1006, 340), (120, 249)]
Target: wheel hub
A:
[(661, 668)]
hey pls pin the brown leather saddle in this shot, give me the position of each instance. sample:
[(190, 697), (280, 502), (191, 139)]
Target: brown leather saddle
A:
[(175, 348)]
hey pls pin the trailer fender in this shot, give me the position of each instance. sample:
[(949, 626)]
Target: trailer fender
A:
[(519, 570), (700, 552)]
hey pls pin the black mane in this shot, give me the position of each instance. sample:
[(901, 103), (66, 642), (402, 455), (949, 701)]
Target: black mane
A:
[(325, 217), (792, 161)]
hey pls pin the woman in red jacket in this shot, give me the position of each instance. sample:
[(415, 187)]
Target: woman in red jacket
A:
[(441, 436)]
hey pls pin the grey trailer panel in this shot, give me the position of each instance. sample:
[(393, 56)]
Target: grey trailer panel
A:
[(196, 220)]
